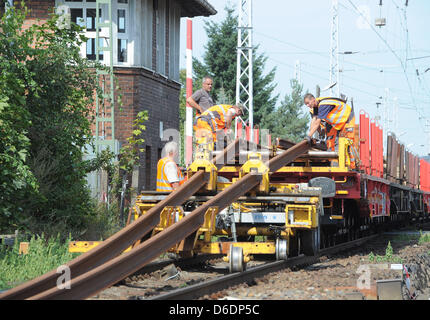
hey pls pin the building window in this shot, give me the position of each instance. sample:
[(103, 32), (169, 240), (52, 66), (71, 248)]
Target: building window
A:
[(77, 16), (83, 13), (122, 50), (122, 31), (121, 21), (91, 19), (91, 49)]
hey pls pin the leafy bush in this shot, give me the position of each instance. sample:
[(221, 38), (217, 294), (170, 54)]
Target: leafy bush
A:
[(47, 91), (43, 256), (424, 237)]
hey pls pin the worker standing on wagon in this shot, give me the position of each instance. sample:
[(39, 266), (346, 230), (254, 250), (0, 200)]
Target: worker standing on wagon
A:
[(214, 121), (338, 114), (169, 176), (201, 99)]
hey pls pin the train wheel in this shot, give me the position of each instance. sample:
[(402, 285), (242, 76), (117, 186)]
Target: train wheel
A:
[(281, 249), (294, 244), (236, 259), (348, 229), (310, 242), (323, 240)]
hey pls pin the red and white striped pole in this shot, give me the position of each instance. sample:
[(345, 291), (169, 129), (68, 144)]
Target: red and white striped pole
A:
[(189, 92)]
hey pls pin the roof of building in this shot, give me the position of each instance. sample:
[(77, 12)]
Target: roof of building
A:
[(194, 8)]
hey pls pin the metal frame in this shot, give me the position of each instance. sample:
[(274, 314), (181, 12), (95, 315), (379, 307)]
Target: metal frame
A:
[(107, 95), (334, 48), (244, 68)]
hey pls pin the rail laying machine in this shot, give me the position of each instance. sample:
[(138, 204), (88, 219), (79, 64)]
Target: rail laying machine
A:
[(314, 201)]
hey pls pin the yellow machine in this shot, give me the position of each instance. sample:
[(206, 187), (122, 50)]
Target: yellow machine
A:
[(274, 218), (278, 217)]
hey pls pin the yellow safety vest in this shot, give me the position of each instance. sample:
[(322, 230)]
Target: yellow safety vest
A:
[(216, 116), (163, 184), (339, 115)]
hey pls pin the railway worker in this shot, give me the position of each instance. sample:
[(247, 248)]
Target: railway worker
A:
[(169, 176), (338, 114), (214, 120), (201, 99), (326, 130)]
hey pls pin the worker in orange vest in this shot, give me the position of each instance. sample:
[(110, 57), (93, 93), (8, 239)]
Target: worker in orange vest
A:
[(215, 120), (326, 130), (338, 114), (169, 176)]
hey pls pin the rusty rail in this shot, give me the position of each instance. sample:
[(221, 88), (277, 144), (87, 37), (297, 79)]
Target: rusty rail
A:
[(228, 154), (109, 268), (112, 246), (120, 241)]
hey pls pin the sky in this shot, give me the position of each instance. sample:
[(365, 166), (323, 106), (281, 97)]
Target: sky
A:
[(388, 74)]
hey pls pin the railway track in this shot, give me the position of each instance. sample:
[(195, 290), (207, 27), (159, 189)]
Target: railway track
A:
[(182, 263), (223, 282), (106, 264)]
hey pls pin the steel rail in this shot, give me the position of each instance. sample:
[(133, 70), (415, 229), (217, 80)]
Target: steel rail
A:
[(103, 276), (223, 282), (113, 246), (116, 244), (182, 263), (221, 159)]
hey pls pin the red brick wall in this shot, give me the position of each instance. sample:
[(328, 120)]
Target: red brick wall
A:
[(38, 9), (144, 90)]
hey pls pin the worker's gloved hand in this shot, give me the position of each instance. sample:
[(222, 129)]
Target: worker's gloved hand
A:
[(308, 139)]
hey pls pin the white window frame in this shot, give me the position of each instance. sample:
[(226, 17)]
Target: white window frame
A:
[(104, 32), (123, 35)]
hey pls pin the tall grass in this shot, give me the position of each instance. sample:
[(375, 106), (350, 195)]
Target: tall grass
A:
[(424, 237), (43, 256)]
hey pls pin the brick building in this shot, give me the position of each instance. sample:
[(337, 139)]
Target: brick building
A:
[(146, 45)]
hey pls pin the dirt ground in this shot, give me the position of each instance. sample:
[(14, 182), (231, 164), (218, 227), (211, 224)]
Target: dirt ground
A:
[(351, 275), (348, 275)]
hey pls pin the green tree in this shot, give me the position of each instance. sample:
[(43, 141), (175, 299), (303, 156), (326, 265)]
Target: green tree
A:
[(46, 98), (219, 61), (288, 120)]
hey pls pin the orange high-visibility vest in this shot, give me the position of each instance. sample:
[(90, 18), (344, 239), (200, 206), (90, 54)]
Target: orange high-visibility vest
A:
[(340, 114), (331, 132), (216, 116), (162, 183)]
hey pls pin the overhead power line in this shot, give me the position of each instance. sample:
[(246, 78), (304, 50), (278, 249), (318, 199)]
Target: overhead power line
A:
[(395, 54)]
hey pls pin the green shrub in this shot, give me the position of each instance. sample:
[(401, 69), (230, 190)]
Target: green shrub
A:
[(47, 94), (43, 256), (424, 238)]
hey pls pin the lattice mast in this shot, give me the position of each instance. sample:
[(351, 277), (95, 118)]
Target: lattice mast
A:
[(334, 49), (244, 71)]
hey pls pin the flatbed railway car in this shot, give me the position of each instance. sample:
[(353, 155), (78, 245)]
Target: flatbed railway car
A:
[(315, 201)]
